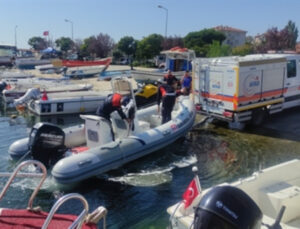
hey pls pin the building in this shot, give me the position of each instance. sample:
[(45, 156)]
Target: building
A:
[(234, 37)]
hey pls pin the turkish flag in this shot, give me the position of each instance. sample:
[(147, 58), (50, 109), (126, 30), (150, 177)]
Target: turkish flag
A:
[(191, 192), (46, 33)]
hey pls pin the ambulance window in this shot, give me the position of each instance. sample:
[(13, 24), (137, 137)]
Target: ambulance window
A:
[(291, 68)]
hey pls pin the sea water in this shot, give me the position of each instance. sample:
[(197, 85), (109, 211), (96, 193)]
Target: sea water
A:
[(138, 194)]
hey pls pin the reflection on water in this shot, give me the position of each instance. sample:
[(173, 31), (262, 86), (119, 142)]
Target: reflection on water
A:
[(138, 194)]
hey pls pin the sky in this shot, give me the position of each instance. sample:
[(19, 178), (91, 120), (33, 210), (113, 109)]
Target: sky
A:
[(24, 19)]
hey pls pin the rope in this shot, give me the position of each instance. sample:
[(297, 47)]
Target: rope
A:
[(97, 215)]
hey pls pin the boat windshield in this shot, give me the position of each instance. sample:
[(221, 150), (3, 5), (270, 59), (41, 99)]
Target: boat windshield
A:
[(7, 50)]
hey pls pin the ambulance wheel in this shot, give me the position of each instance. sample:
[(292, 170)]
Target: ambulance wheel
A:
[(258, 116)]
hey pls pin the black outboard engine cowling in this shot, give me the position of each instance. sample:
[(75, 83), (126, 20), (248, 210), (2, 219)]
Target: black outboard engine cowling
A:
[(46, 143), (227, 207), (2, 86)]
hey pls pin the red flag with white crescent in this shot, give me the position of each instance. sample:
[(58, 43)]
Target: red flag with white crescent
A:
[(191, 192)]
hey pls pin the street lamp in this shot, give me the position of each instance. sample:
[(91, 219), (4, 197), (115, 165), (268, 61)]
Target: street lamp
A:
[(66, 20), (164, 8), (16, 35)]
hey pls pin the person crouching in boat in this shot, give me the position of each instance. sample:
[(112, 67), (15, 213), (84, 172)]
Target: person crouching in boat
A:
[(167, 95), (112, 103)]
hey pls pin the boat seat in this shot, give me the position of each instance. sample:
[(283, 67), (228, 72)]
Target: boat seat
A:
[(22, 218), (143, 125), (283, 194)]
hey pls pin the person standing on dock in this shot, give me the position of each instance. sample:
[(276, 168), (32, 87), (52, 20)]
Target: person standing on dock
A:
[(166, 94), (186, 83), (112, 103), (169, 78)]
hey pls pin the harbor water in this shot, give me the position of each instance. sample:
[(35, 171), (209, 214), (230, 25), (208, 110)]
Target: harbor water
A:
[(138, 194)]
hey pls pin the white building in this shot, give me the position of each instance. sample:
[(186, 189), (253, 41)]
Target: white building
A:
[(234, 37)]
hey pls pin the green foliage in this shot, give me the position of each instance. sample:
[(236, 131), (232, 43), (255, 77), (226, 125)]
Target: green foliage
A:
[(293, 32), (64, 43), (127, 45), (242, 50), (117, 54), (37, 43), (149, 46), (201, 38), (216, 50)]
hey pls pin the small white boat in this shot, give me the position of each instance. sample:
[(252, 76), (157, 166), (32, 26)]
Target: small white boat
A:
[(178, 60), (34, 217), (270, 189), (99, 152), (69, 102), (84, 71), (30, 63), (18, 90), (5, 75)]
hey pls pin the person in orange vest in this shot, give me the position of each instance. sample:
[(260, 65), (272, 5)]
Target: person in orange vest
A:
[(112, 103)]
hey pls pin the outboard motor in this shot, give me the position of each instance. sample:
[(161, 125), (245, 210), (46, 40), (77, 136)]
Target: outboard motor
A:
[(227, 207), (2, 86), (46, 143)]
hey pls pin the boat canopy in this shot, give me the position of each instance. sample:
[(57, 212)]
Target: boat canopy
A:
[(179, 53)]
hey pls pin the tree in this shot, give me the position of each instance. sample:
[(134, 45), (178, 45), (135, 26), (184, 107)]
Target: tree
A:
[(98, 46), (64, 43), (216, 50), (171, 42), (149, 46), (127, 45), (242, 50), (37, 43), (200, 40), (293, 32)]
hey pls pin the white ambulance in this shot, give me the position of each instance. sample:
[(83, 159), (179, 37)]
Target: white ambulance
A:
[(246, 89)]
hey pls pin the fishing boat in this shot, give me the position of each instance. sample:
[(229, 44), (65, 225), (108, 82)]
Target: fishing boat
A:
[(80, 63), (178, 60), (34, 217), (84, 71), (18, 90), (70, 102), (98, 152), (273, 195)]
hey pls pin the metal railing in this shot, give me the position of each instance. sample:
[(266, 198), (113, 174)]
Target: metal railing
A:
[(42, 174)]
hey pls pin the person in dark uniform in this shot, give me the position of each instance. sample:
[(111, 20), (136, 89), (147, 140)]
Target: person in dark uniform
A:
[(112, 103), (169, 78), (167, 95)]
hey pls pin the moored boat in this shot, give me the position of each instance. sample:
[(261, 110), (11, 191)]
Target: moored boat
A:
[(84, 71), (69, 102), (34, 217), (79, 63), (17, 91), (100, 153), (272, 190)]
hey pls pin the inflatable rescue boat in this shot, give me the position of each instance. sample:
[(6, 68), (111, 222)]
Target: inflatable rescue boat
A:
[(83, 151)]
